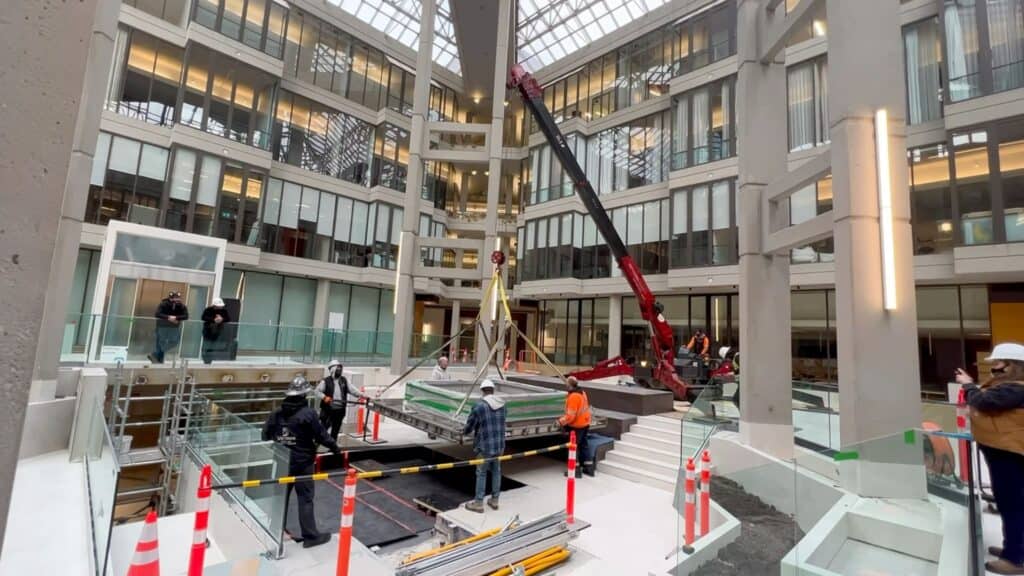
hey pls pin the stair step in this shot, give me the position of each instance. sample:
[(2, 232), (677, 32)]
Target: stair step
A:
[(640, 451), (639, 462), (652, 442), (661, 422), (659, 481), (669, 435)]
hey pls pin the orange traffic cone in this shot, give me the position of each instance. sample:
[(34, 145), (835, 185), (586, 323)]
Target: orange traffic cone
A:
[(146, 561)]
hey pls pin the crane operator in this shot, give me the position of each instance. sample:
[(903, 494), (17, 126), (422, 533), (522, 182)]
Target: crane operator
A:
[(699, 344)]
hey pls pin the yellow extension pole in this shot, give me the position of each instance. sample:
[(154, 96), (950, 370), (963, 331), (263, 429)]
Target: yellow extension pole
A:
[(532, 561), (428, 553)]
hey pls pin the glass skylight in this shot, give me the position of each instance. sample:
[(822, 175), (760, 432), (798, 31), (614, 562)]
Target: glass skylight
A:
[(400, 19), (552, 29)]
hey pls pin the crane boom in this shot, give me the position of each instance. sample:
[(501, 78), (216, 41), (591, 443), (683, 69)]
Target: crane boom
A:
[(662, 338)]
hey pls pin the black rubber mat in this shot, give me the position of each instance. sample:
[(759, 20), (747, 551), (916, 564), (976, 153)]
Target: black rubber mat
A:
[(373, 525)]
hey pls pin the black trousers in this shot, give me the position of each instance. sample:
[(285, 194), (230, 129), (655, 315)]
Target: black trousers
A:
[(332, 420), (299, 465), (1006, 470), (582, 456)]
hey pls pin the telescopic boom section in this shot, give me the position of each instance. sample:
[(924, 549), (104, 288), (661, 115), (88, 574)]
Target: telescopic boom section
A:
[(662, 338)]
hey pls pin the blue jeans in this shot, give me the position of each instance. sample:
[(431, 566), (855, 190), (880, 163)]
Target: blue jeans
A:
[(167, 338), (494, 468)]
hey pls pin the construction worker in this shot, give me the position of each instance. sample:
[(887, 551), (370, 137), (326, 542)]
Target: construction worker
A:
[(215, 316), (577, 419), (296, 426), (487, 425), (169, 315), (333, 392), (699, 344), (441, 370), (997, 423)]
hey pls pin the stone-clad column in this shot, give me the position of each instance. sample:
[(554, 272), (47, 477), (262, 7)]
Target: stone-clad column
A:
[(405, 295), (879, 381), (55, 55), (766, 418)]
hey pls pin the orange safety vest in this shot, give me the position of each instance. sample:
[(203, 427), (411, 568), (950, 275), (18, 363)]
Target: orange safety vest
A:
[(577, 410)]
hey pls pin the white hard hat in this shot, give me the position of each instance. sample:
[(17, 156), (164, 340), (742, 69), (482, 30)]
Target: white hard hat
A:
[(487, 384), (1007, 352), (218, 302), (333, 363), (723, 351)]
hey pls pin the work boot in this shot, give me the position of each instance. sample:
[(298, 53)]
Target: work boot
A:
[(493, 503), (475, 506), (152, 359), (996, 551), (590, 470), (321, 539), (1003, 566)]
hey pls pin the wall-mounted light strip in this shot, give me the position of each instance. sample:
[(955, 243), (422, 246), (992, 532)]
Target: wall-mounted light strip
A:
[(885, 224), (398, 273)]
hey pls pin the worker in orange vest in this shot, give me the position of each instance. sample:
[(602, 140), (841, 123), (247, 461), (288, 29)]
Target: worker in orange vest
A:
[(577, 419)]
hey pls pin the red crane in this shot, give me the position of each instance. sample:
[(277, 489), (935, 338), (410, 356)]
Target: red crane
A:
[(662, 338)]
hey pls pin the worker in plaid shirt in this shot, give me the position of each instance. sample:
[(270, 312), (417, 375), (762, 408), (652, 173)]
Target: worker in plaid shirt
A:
[(487, 425)]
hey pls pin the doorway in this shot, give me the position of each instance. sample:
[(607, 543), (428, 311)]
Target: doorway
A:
[(130, 325)]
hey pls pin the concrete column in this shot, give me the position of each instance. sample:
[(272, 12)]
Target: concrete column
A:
[(494, 140), (766, 418), (404, 293), (320, 311), (46, 146), (879, 381), (76, 190), (614, 326)]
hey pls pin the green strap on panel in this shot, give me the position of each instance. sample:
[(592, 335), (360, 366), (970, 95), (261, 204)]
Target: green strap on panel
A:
[(841, 456), (909, 437)]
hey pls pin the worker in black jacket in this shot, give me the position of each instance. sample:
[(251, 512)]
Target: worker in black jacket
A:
[(169, 315), (295, 425), (215, 319)]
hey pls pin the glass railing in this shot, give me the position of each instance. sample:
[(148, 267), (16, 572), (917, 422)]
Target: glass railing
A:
[(102, 472), (107, 339), (236, 452), (816, 414)]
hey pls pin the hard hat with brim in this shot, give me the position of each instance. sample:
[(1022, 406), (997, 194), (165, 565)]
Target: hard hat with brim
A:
[(298, 387), (1011, 352), (333, 363), (487, 385)]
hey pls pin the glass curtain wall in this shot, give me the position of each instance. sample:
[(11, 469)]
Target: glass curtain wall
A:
[(127, 181), (931, 199), (259, 24), (716, 314), (574, 332), (146, 78), (173, 11), (322, 55), (319, 139), (569, 245), (703, 225), (642, 69), (804, 205), (390, 157), (704, 124)]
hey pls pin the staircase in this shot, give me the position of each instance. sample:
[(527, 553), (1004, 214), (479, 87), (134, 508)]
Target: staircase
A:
[(650, 452)]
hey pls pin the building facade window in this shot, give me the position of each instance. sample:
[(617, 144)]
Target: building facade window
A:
[(807, 100), (259, 24), (704, 124), (703, 225), (320, 54), (146, 78), (127, 181), (805, 204), (390, 157), (922, 53), (173, 11), (984, 46), (968, 190), (642, 69), (366, 318), (953, 331), (931, 199), (439, 187), (319, 139), (574, 332)]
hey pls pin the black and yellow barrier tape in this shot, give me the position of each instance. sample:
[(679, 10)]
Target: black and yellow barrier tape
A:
[(387, 472)]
